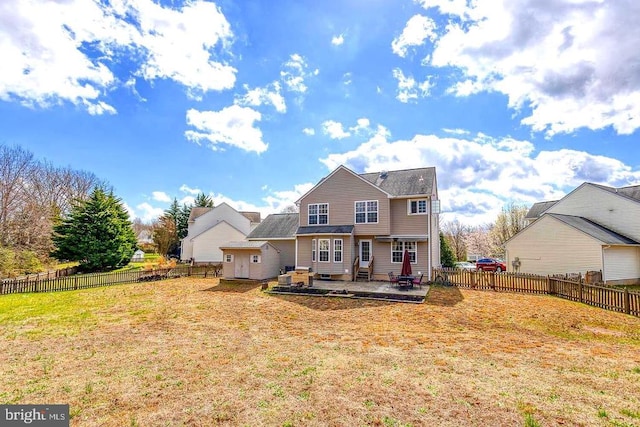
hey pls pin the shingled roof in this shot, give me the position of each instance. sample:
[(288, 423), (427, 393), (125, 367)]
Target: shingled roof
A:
[(276, 226), (407, 182), (595, 230)]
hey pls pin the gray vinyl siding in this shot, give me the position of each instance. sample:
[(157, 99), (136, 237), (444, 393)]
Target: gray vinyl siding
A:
[(269, 266), (608, 209), (622, 263), (341, 190), (331, 267), (549, 246)]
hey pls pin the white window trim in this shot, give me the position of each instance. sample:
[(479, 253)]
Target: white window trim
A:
[(426, 206), (255, 260), (328, 250), (366, 211), (228, 258), (317, 215), (403, 248), (338, 251), (313, 250)]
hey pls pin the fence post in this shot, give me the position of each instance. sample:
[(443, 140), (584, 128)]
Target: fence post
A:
[(580, 291), (627, 308), (549, 286), (189, 271)]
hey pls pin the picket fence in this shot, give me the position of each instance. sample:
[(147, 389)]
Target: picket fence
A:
[(40, 283), (609, 298)]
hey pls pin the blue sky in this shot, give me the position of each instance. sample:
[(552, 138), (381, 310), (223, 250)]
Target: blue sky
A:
[(253, 102)]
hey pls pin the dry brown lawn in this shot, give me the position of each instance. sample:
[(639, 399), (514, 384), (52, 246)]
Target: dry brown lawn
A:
[(192, 352)]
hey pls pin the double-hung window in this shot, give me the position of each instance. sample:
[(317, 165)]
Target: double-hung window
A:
[(367, 212), (398, 248), (318, 213), (323, 250), (418, 207), (337, 250)]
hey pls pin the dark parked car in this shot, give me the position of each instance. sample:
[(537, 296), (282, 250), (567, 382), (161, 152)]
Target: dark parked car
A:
[(491, 264)]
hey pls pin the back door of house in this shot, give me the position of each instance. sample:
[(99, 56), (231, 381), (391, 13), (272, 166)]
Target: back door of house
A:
[(242, 266), (365, 253)]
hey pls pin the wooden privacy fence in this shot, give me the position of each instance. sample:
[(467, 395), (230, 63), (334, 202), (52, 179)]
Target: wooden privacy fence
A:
[(614, 299), (39, 283)]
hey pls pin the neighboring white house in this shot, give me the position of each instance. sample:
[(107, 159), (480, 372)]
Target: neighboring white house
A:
[(593, 228), (210, 228), (138, 256)]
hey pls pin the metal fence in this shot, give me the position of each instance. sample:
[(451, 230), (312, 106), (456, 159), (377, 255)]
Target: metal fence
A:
[(609, 298)]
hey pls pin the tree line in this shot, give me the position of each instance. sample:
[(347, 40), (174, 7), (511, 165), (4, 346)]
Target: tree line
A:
[(485, 240), (34, 195)]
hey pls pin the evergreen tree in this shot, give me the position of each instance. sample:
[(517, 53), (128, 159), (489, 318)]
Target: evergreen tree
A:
[(97, 233), (447, 257), (203, 201)]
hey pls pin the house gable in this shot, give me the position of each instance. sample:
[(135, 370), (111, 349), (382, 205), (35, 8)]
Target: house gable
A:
[(606, 206)]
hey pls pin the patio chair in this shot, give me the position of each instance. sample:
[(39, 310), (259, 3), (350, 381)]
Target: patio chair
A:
[(417, 281), (393, 279)]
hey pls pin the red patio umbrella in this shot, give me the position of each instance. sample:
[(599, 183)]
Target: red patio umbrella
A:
[(406, 265)]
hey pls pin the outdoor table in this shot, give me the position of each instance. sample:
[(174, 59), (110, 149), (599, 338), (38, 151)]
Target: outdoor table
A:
[(405, 281)]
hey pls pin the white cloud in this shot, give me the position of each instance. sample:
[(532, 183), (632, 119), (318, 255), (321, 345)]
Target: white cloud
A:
[(409, 89), (65, 51), (232, 125), (334, 130), (148, 213), (309, 131), (478, 174), (160, 196), (294, 73), (568, 64), (192, 191), (337, 40), (270, 94), (418, 29), (362, 125)]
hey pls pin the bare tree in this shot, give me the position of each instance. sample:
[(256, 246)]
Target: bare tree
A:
[(16, 169), (456, 234), (290, 209), (477, 241), (509, 222)]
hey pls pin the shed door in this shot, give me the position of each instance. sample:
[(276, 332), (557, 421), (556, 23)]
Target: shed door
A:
[(242, 266)]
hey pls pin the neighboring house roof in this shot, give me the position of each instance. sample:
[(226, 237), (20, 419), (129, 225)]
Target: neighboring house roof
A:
[(276, 226), (631, 192), (197, 211), (325, 229), (407, 182), (253, 244), (251, 216), (594, 230), (539, 208)]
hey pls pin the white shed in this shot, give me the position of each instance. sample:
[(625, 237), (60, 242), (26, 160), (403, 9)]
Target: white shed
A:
[(138, 256)]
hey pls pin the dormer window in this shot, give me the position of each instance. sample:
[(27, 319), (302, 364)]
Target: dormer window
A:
[(318, 213)]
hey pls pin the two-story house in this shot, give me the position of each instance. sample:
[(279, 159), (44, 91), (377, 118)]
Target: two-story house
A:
[(593, 228), (361, 224), (210, 228)]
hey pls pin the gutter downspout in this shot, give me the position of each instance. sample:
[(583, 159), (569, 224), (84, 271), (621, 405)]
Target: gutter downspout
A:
[(430, 247)]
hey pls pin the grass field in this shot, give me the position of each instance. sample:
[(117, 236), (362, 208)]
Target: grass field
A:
[(192, 352)]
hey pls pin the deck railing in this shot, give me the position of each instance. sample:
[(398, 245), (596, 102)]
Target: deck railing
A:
[(609, 298)]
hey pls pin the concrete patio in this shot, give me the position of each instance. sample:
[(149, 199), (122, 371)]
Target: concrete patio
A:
[(368, 290)]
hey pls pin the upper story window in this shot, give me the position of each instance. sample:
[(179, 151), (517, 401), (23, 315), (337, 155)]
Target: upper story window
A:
[(319, 213), (418, 207), (367, 212)]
